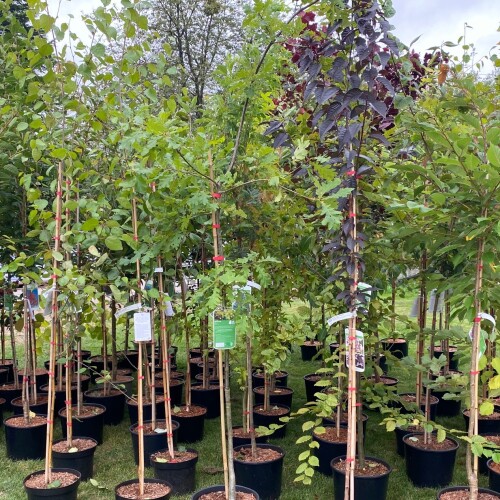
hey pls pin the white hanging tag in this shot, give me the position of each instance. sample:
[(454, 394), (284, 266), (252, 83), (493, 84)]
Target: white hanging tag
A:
[(359, 356), (142, 327), (341, 317), (126, 309)]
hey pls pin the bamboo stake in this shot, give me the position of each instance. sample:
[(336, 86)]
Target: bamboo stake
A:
[(229, 491), (53, 330), (422, 315), (351, 386), (13, 347), (25, 393)]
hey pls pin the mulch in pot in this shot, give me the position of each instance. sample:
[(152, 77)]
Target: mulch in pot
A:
[(151, 490), (240, 432), (220, 495), (80, 444), (194, 411), (464, 495), (38, 481), (273, 410), (371, 468), (494, 416), (20, 422), (179, 456), (331, 436), (432, 443), (87, 411)]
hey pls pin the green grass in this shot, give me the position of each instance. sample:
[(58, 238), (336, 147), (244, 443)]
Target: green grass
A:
[(114, 459)]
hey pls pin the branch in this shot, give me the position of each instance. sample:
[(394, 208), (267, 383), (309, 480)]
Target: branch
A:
[(257, 69)]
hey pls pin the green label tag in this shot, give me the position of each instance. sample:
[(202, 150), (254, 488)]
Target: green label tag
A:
[(224, 329), (8, 300)]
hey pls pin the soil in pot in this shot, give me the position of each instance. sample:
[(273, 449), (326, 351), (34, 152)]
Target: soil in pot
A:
[(114, 402), (331, 445), (462, 493), (271, 417), (494, 475), (69, 480), (208, 398), (241, 437), (262, 471), (79, 456), (258, 378), (310, 350), (191, 422), (147, 408), (213, 379), (217, 493), (485, 423), (154, 440), (39, 407), (398, 347), (180, 471), (431, 464), (384, 379), (332, 420), (89, 423), (280, 396), (370, 482), (154, 489), (25, 442)]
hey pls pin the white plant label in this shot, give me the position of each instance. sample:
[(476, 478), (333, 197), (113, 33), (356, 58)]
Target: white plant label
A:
[(142, 327), (126, 309), (341, 317), (158, 269), (359, 356), (252, 284), (169, 310), (482, 340)]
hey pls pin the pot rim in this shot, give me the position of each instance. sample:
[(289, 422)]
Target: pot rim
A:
[(260, 445), (457, 445), (343, 457)]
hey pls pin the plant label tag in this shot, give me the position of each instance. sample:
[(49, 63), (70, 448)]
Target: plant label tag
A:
[(158, 269), (483, 335), (341, 317), (142, 327), (415, 308), (8, 300), (126, 309), (169, 310), (252, 284), (33, 297), (224, 329), (359, 348)]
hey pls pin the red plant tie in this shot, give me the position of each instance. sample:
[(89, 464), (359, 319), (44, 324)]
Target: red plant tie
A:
[(67, 403), (352, 389), (352, 338), (476, 372), (25, 379), (349, 459), (50, 422), (352, 215), (477, 319), (216, 226), (69, 424), (358, 404), (141, 377), (218, 258), (216, 195)]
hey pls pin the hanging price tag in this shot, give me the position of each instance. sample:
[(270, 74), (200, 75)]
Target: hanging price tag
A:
[(169, 310), (142, 327), (359, 348), (224, 329), (341, 317), (483, 334)]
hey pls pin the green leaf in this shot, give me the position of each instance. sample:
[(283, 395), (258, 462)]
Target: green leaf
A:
[(493, 155), (113, 243), (21, 126), (90, 224), (441, 435), (307, 426), (54, 484), (390, 425), (486, 408), (161, 460), (304, 455), (99, 50), (57, 256), (313, 461), (93, 251)]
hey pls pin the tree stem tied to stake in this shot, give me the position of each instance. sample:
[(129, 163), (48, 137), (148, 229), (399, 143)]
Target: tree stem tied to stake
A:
[(351, 385), (53, 330), (227, 448)]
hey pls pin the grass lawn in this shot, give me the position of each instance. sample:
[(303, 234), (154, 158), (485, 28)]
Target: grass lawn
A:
[(114, 458)]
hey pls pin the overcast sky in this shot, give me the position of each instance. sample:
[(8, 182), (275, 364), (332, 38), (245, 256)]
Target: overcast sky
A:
[(435, 21)]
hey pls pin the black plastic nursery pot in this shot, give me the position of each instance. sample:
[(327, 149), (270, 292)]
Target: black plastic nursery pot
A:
[(82, 461), (328, 450), (8, 365), (429, 468), (128, 359), (465, 488), (123, 383), (40, 407), (60, 401), (265, 419), (447, 407), (9, 392), (400, 433), (2, 406), (331, 420), (280, 396), (263, 477), (114, 403), (411, 406), (281, 379), (147, 481), (90, 424), (241, 440), (153, 442), (25, 443), (97, 366), (69, 492), (42, 377), (485, 425), (309, 351), (453, 359), (180, 474), (209, 398), (176, 385), (310, 384), (4, 375), (365, 487), (191, 425), (147, 408), (482, 460), (398, 347), (220, 487), (493, 475)]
